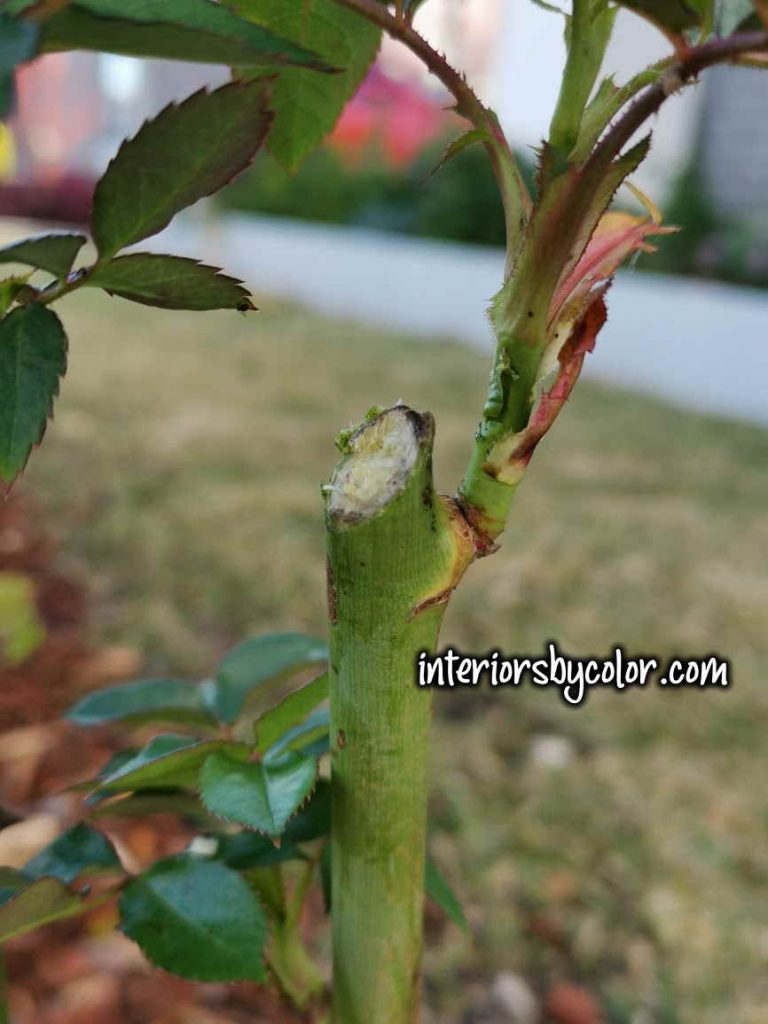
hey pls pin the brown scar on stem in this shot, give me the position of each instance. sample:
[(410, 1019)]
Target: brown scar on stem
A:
[(466, 552), (477, 524)]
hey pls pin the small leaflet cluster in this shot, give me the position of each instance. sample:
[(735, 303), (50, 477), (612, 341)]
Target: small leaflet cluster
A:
[(246, 768)]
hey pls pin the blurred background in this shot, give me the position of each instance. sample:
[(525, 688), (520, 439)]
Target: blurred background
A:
[(612, 860)]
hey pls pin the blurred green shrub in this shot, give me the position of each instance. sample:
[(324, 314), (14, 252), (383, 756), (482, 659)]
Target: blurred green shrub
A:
[(458, 202), (709, 243)]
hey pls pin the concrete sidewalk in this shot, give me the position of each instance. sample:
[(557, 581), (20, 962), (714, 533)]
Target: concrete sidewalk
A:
[(697, 344)]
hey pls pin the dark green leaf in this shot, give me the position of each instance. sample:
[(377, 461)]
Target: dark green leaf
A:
[(54, 253), (78, 851), (260, 660), (147, 700), (10, 290), (313, 821), (143, 803), (18, 42), (308, 105), (39, 903), (195, 30), (261, 796), (33, 356), (248, 850), (170, 282), (196, 918), (166, 761), (441, 893), (310, 738), (672, 16), (11, 881), (7, 96), (188, 151), (291, 711)]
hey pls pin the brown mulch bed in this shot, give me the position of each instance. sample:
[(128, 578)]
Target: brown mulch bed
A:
[(83, 971)]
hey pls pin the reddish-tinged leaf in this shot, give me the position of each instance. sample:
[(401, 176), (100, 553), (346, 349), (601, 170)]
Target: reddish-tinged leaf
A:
[(512, 457), (618, 235)]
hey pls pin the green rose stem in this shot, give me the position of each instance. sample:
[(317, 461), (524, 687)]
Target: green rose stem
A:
[(395, 552), (288, 958)]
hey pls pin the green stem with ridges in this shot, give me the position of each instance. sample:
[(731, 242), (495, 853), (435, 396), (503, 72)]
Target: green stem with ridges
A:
[(395, 550)]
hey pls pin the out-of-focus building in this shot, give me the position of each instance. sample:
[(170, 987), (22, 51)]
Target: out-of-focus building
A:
[(75, 108), (514, 51)]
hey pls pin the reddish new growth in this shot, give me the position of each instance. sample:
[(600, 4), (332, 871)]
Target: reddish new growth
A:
[(578, 313)]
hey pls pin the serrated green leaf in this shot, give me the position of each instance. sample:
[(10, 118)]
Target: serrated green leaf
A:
[(313, 820), (438, 889), (144, 803), (465, 141), (311, 738), (188, 151), (193, 30), (54, 253), (606, 103), (291, 711), (40, 903), (260, 660), (78, 851), (33, 357), (308, 105), (170, 282), (146, 700), (248, 850), (260, 796), (166, 761), (196, 918)]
